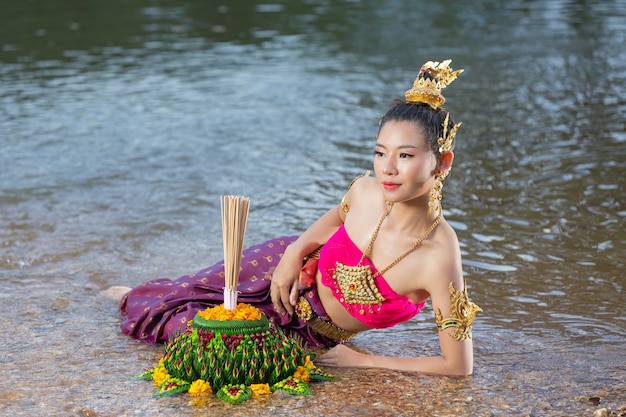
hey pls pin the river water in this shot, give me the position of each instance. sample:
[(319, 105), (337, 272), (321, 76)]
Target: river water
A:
[(121, 124)]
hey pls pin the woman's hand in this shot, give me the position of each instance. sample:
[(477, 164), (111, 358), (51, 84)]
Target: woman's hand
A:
[(284, 286), (341, 356)]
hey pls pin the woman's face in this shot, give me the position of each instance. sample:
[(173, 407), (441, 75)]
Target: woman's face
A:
[(403, 163)]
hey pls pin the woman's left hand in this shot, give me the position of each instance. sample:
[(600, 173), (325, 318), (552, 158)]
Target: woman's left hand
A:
[(341, 356)]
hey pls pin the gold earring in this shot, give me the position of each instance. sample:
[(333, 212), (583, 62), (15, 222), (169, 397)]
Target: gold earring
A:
[(435, 193)]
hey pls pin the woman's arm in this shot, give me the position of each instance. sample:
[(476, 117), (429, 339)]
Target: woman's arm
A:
[(455, 341), (456, 361), (454, 314), (284, 288)]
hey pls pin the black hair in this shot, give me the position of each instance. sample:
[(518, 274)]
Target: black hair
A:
[(425, 117)]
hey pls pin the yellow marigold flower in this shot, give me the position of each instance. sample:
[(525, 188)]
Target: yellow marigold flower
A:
[(160, 375), (241, 312), (260, 389), (302, 374), (308, 363), (200, 388)]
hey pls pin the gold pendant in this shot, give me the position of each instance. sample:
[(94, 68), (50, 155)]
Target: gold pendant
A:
[(357, 284)]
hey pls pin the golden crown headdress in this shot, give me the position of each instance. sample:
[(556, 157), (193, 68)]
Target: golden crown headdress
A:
[(428, 90)]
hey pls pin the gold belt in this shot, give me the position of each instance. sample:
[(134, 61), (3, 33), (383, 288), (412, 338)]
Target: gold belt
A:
[(323, 327)]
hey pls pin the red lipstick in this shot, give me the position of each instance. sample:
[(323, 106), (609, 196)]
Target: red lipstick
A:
[(388, 185)]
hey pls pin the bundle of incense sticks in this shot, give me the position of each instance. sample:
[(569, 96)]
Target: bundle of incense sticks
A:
[(234, 221)]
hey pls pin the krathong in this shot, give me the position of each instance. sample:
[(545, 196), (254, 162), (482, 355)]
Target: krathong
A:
[(232, 349), (233, 358)]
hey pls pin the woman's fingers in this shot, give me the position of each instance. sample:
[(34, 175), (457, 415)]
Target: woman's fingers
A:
[(280, 294), (293, 296), (328, 359), (342, 356), (284, 286), (276, 300)]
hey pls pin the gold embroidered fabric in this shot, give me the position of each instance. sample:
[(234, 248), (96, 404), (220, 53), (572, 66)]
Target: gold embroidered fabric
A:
[(323, 327), (462, 314), (357, 284)]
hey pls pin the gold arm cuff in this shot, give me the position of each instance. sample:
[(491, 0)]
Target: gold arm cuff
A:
[(344, 206), (462, 314)]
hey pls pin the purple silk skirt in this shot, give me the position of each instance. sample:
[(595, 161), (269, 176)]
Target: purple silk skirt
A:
[(158, 309)]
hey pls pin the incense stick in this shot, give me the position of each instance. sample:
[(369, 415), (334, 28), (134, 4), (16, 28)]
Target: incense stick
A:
[(234, 222)]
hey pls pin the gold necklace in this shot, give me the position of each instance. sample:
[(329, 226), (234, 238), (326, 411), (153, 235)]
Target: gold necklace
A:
[(356, 283)]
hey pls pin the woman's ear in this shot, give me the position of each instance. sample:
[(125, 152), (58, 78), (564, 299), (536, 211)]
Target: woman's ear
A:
[(445, 161)]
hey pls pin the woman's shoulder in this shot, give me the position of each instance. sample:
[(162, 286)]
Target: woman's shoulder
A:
[(448, 237), (444, 255), (365, 186), (362, 191), (362, 180)]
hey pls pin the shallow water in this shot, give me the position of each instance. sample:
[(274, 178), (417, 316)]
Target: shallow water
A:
[(122, 123)]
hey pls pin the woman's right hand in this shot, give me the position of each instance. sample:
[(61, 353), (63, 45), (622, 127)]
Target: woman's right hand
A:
[(284, 286)]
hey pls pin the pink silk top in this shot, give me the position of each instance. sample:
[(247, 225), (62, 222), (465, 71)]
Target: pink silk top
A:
[(393, 310)]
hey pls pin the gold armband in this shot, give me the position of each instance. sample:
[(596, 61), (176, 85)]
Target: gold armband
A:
[(462, 314), (344, 206)]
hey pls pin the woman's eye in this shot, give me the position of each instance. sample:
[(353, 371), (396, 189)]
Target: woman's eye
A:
[(406, 155), (378, 153)]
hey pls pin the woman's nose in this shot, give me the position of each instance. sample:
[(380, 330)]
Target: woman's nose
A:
[(389, 169)]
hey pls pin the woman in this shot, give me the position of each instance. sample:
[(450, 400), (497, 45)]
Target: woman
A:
[(384, 251)]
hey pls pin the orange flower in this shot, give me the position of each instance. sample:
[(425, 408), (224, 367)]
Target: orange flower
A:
[(260, 389), (302, 374), (160, 375), (308, 363), (200, 388), (241, 312)]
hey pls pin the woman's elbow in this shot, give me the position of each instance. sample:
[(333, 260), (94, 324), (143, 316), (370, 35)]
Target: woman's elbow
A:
[(463, 364), (462, 368), (467, 370)]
